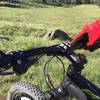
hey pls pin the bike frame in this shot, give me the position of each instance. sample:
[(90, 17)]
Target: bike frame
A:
[(91, 91), (75, 78), (73, 74)]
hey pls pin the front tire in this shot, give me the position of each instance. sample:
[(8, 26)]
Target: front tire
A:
[(25, 91)]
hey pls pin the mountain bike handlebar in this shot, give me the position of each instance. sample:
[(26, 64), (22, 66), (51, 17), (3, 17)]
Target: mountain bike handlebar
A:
[(20, 61)]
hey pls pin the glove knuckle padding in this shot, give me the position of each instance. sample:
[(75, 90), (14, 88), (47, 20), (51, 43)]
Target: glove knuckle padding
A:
[(93, 31)]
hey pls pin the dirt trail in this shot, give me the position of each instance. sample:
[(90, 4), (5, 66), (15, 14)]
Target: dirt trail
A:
[(2, 97)]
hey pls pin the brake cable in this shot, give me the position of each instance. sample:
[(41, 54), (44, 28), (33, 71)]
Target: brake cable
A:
[(46, 75)]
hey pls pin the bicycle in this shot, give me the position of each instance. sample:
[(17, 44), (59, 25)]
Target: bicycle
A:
[(73, 84)]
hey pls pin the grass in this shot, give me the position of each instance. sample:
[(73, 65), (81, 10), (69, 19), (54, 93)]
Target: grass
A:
[(23, 26)]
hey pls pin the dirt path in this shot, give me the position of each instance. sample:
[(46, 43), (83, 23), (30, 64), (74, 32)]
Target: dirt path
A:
[(2, 97)]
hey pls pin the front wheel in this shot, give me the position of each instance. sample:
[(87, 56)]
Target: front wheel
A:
[(25, 91)]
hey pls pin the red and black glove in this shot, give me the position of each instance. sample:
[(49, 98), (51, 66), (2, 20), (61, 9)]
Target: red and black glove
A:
[(88, 36)]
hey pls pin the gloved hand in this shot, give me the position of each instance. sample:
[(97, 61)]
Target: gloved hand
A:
[(89, 35)]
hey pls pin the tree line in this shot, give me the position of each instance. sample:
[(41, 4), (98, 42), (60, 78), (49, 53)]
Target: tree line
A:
[(56, 2), (71, 1)]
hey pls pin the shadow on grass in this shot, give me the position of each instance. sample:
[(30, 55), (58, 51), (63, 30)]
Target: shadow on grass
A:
[(19, 4), (13, 5)]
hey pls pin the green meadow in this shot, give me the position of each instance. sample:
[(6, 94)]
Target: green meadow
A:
[(23, 26)]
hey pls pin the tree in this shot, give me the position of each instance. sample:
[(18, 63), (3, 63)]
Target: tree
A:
[(78, 1), (60, 3), (44, 1), (88, 1), (54, 2), (99, 3), (68, 1)]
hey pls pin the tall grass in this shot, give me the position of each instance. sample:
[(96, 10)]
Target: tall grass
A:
[(23, 27)]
